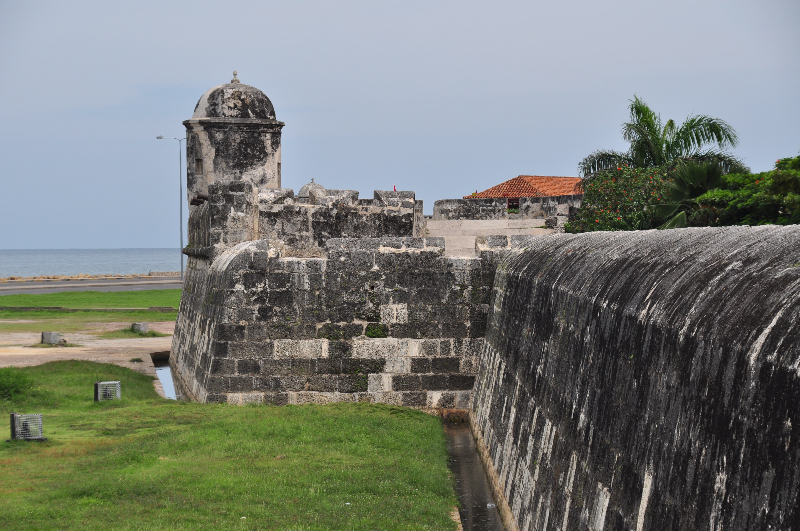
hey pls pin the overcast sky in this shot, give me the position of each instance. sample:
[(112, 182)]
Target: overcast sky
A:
[(443, 98)]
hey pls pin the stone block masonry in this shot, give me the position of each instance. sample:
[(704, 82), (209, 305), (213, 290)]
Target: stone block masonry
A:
[(645, 380), (229, 217), (236, 211), (306, 227), (387, 320), (487, 209), (233, 135), (620, 381)]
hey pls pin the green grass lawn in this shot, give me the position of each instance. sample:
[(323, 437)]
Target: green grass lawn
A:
[(97, 299), (49, 320), (149, 463)]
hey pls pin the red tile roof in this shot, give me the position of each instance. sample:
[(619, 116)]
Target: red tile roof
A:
[(531, 186)]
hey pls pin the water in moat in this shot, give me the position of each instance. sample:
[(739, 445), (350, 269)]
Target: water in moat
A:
[(478, 511), (161, 364)]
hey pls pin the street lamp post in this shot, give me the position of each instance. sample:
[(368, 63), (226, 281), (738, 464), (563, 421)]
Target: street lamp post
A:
[(180, 191)]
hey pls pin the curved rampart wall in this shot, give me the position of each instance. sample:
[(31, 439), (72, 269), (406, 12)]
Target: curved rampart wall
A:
[(645, 380)]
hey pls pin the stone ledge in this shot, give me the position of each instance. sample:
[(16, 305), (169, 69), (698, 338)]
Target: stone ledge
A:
[(430, 400)]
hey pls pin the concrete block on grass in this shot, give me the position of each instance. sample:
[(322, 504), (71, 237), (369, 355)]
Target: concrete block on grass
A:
[(51, 338), (142, 328)]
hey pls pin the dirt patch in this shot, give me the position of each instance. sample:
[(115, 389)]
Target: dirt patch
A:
[(118, 351), (164, 327), (14, 353), (19, 338)]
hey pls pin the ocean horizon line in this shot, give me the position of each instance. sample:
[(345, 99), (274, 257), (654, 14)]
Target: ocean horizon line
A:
[(87, 248), (88, 261)]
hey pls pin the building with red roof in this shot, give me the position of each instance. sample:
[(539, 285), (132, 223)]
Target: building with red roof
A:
[(531, 186)]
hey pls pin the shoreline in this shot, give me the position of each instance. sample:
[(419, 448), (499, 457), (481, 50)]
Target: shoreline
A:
[(83, 276)]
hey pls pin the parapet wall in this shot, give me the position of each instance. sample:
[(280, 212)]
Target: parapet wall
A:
[(380, 319), (645, 380), (236, 212), (485, 209), (305, 228)]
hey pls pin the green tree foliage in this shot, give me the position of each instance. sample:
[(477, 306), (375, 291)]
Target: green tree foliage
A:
[(789, 163), (654, 143), (771, 197), (690, 181), (689, 194), (623, 198)]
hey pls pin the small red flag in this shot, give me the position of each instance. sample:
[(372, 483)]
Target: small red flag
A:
[(395, 187)]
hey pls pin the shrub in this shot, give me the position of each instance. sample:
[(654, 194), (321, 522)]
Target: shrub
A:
[(771, 197), (620, 199), (14, 382)]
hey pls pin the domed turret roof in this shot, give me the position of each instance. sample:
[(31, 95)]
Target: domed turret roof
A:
[(305, 191), (234, 100)]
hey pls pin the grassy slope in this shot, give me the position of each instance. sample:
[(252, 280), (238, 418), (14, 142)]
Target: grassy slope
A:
[(46, 320), (148, 463)]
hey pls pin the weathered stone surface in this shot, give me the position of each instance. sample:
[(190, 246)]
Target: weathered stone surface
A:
[(232, 211), (199, 230), (233, 135), (51, 338), (307, 224), (142, 328), (646, 380), (529, 207), (252, 320), (470, 209)]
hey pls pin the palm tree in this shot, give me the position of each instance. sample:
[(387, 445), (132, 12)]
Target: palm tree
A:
[(654, 143), (691, 180)]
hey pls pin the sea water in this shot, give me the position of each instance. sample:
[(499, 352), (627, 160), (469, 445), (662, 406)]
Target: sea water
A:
[(38, 262)]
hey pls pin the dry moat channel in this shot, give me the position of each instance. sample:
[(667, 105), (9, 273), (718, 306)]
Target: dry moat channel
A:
[(478, 511)]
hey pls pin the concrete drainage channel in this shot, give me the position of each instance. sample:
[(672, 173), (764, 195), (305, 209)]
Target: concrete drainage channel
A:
[(161, 364), (478, 511)]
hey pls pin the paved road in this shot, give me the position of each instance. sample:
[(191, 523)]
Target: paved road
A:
[(92, 284)]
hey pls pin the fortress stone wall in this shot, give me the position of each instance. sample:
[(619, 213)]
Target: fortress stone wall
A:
[(628, 380), (487, 209), (645, 380), (387, 319), (307, 224), (617, 381)]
